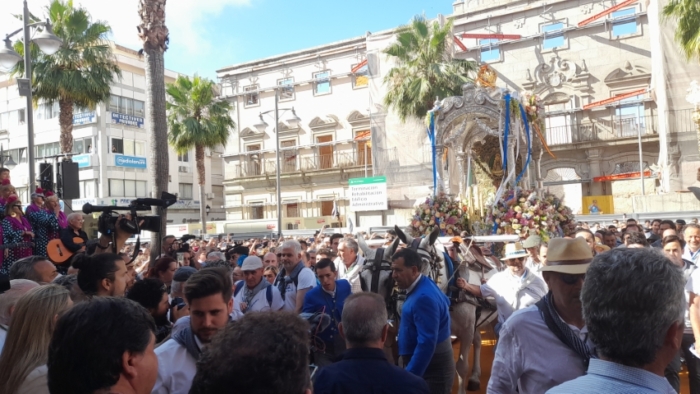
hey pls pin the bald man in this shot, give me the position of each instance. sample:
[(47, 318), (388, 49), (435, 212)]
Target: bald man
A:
[(270, 259), (74, 230)]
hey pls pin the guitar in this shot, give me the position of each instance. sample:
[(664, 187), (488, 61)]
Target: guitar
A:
[(57, 251)]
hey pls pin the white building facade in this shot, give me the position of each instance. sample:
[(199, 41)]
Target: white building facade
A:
[(110, 145)]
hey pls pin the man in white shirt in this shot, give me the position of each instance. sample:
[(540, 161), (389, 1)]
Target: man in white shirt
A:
[(294, 279), (208, 294), (691, 236), (533, 261), (530, 356), (349, 263), (254, 293)]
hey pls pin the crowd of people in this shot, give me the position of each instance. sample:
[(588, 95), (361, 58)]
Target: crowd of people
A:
[(611, 309)]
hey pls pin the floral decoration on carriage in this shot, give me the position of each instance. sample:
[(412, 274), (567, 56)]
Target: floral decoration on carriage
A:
[(442, 211), (527, 212)]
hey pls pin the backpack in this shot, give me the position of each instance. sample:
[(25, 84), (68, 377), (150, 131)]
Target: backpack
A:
[(294, 279), (268, 290)]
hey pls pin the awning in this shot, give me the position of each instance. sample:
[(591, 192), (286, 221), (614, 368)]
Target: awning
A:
[(622, 177), (617, 98)]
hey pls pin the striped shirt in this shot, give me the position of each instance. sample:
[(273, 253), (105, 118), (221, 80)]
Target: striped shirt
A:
[(612, 378)]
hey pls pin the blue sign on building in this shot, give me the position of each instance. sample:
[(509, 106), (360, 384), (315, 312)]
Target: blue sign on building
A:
[(82, 160), (84, 118), (129, 161), (128, 120)]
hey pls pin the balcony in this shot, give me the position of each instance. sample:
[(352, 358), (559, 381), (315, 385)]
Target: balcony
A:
[(602, 129), (292, 162)]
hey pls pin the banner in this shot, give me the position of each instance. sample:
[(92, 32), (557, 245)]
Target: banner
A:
[(84, 118), (597, 205), (129, 161), (368, 194), (82, 160), (128, 120)]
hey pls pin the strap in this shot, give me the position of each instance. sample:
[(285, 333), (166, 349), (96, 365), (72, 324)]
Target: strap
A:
[(239, 286), (376, 269), (415, 243), (269, 295)]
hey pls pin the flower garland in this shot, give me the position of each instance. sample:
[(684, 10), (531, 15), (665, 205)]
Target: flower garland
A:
[(527, 213), (450, 215)]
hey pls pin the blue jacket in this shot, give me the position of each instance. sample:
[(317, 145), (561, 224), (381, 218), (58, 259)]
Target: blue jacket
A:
[(317, 300), (367, 371), (425, 322)]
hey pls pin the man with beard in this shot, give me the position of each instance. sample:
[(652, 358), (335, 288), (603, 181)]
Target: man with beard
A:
[(294, 279), (152, 294), (101, 275), (208, 294), (547, 344)]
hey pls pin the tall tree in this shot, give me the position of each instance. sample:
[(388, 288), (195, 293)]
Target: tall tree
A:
[(687, 12), (197, 120), (425, 68), (154, 35), (79, 73)]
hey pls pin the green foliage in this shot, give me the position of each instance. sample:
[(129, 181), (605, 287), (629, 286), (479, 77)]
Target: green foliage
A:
[(195, 117), (687, 12), (82, 70), (425, 69)]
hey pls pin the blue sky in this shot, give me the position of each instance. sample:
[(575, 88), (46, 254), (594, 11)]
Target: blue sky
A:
[(206, 35)]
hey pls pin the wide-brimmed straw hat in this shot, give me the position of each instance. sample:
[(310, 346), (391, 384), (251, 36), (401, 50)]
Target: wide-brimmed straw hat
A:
[(568, 256), (532, 241), (514, 251)]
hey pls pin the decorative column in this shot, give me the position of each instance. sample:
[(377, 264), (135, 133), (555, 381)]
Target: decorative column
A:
[(439, 151), (462, 174), (594, 157)]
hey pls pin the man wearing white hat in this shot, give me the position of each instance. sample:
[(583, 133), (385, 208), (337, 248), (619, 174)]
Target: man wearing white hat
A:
[(533, 261), (515, 288), (253, 293), (547, 344)]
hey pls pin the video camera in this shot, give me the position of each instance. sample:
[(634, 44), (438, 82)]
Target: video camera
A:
[(107, 222)]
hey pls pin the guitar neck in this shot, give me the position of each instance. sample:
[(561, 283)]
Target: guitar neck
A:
[(17, 245)]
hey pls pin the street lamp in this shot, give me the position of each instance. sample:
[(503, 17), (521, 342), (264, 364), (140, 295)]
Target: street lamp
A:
[(293, 122), (6, 160), (47, 43), (208, 209)]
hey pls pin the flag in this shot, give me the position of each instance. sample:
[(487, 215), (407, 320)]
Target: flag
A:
[(351, 225), (335, 213)]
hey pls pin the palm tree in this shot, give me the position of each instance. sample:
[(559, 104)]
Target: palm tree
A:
[(688, 31), (197, 120), (425, 69), (79, 74), (154, 35)]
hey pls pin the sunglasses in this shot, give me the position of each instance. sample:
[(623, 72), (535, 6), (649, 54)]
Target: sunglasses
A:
[(571, 279)]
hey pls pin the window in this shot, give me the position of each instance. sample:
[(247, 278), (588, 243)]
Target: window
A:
[(18, 155), (46, 150), (289, 156), (129, 147), (82, 145), (624, 22), (364, 149), (322, 82), (326, 208), (127, 188), (251, 98), (490, 52), (47, 111), (629, 117), (553, 36), (185, 191), (184, 157), (292, 210), (87, 189), (12, 118), (360, 77), (126, 106), (558, 124), (287, 92), (257, 210)]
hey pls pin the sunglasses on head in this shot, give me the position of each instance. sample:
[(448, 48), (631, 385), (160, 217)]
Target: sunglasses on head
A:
[(571, 279)]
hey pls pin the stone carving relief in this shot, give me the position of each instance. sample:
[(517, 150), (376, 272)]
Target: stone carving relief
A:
[(556, 74), (628, 75)]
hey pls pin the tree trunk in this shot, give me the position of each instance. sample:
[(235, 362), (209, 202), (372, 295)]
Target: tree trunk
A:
[(154, 35), (65, 120), (199, 158)]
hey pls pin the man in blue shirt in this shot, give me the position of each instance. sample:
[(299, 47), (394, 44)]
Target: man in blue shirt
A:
[(424, 332), (328, 298), (364, 367), (633, 302)]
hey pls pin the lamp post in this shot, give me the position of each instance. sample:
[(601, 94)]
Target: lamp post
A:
[(293, 121), (6, 160), (49, 44)]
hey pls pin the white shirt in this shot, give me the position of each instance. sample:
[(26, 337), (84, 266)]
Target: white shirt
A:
[(513, 293), (352, 275), (690, 256), (414, 284), (306, 280), (176, 368), (536, 268), (692, 286), (259, 302), (529, 356)]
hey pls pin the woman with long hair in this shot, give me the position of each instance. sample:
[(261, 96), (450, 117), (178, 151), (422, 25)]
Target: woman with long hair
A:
[(163, 269), (23, 361), (15, 229)]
